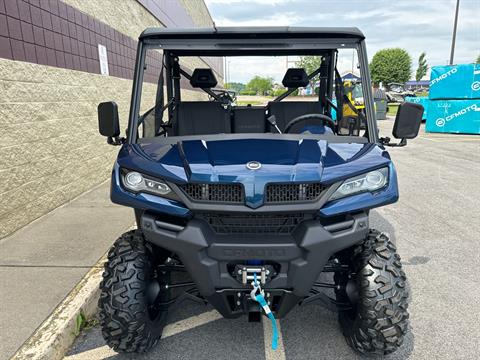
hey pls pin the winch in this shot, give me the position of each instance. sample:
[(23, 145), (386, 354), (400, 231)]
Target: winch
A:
[(246, 273)]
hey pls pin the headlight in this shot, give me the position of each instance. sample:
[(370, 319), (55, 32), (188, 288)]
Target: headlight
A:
[(136, 182), (371, 181)]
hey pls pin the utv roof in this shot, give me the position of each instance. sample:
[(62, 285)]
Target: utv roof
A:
[(277, 32), (238, 41)]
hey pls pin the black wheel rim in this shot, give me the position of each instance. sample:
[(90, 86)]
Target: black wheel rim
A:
[(347, 292), (156, 295)]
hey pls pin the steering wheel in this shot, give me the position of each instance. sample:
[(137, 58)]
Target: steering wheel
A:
[(296, 125)]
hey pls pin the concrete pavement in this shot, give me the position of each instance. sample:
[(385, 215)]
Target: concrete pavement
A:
[(42, 262), (435, 226)]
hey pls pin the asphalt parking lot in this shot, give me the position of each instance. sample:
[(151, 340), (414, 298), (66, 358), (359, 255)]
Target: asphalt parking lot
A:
[(435, 226)]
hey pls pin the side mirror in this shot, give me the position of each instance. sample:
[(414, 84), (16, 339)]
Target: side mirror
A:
[(108, 122), (407, 123), (408, 120)]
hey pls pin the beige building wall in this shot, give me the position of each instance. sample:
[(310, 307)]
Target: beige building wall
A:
[(198, 12), (50, 149), (130, 18)]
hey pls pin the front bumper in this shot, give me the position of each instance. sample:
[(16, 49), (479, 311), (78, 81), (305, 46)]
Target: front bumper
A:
[(299, 256)]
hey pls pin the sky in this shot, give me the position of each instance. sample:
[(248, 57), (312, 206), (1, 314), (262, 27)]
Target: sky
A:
[(414, 25)]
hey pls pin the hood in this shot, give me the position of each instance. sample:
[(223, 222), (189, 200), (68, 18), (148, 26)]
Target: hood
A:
[(224, 161)]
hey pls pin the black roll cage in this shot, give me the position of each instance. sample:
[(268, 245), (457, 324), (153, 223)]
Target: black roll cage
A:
[(324, 42)]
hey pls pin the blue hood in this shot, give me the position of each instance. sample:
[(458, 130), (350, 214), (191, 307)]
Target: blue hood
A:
[(224, 161)]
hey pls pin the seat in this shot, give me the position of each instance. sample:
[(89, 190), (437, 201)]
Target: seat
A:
[(203, 78), (248, 119), (295, 78), (285, 111), (201, 118)]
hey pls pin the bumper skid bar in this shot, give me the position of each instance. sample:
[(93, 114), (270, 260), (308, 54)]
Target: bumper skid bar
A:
[(301, 255)]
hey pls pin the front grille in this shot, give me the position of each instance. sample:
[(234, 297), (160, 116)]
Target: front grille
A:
[(221, 193), (288, 193), (253, 223)]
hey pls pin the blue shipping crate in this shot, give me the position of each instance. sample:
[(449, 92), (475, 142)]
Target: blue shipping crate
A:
[(454, 116), (455, 82), (422, 100)]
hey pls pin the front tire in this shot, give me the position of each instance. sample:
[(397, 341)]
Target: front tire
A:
[(131, 315), (376, 288)]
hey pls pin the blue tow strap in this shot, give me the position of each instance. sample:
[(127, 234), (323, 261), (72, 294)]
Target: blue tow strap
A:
[(263, 303)]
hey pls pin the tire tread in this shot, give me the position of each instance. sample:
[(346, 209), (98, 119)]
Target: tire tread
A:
[(381, 322), (123, 313)]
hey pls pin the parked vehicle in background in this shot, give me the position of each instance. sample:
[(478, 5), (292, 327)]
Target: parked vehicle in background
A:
[(353, 90), (253, 203), (354, 104), (396, 93), (418, 87)]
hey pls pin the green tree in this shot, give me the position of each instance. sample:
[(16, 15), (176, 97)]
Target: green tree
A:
[(391, 65), (422, 67), (279, 91), (478, 59), (261, 85), (235, 86), (309, 63)]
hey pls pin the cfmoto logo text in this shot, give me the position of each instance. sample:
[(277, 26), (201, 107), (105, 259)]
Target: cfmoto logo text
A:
[(258, 253), (443, 76), (441, 121), (476, 85)]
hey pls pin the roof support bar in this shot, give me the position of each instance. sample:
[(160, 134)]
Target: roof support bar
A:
[(322, 89), (367, 93)]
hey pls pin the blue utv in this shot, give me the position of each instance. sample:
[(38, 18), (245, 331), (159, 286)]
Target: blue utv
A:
[(245, 207)]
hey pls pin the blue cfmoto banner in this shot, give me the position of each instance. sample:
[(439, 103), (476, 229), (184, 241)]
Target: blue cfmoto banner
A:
[(455, 82), (454, 116)]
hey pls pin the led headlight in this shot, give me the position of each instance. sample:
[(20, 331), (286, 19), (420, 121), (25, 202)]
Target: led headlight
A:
[(136, 182), (371, 181)]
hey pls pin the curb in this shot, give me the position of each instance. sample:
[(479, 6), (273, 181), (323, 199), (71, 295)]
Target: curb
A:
[(57, 333)]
